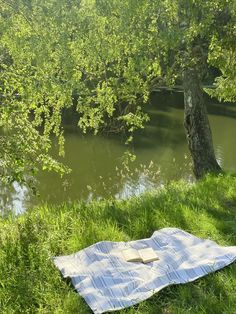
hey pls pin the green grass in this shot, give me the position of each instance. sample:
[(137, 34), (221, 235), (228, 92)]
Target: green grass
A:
[(30, 283)]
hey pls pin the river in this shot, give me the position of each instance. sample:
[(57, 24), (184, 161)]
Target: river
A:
[(160, 149)]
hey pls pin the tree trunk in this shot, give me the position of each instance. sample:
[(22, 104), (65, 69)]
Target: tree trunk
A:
[(197, 126)]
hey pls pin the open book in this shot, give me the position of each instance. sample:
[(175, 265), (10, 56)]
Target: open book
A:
[(146, 255)]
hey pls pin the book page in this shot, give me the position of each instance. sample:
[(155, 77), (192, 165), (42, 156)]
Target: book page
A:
[(148, 255), (131, 255)]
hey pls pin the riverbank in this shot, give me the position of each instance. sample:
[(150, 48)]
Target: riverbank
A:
[(29, 282)]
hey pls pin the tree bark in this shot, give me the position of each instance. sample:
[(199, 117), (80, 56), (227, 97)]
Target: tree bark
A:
[(197, 126)]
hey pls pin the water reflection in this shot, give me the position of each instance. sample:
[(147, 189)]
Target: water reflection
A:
[(13, 199), (96, 161), (219, 155), (135, 188)]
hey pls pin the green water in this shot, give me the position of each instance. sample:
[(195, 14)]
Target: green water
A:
[(161, 155)]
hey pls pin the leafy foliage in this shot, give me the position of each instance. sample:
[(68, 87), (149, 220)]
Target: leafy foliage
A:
[(104, 57), (223, 56)]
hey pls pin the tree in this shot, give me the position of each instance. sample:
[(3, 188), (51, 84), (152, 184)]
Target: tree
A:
[(105, 56), (32, 93)]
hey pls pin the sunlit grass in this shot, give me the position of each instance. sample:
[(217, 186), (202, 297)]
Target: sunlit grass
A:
[(30, 283)]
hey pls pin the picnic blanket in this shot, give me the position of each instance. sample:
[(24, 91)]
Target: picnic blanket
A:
[(107, 282)]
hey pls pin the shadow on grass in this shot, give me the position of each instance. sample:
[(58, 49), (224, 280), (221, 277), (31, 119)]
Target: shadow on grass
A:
[(142, 218)]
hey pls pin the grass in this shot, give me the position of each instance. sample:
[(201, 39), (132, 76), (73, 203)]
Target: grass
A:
[(30, 283)]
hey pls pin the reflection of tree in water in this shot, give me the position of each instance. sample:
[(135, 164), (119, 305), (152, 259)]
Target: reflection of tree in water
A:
[(133, 180), (121, 181), (126, 180), (13, 199)]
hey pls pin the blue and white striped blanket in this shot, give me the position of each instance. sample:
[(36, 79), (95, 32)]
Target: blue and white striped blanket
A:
[(107, 282)]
